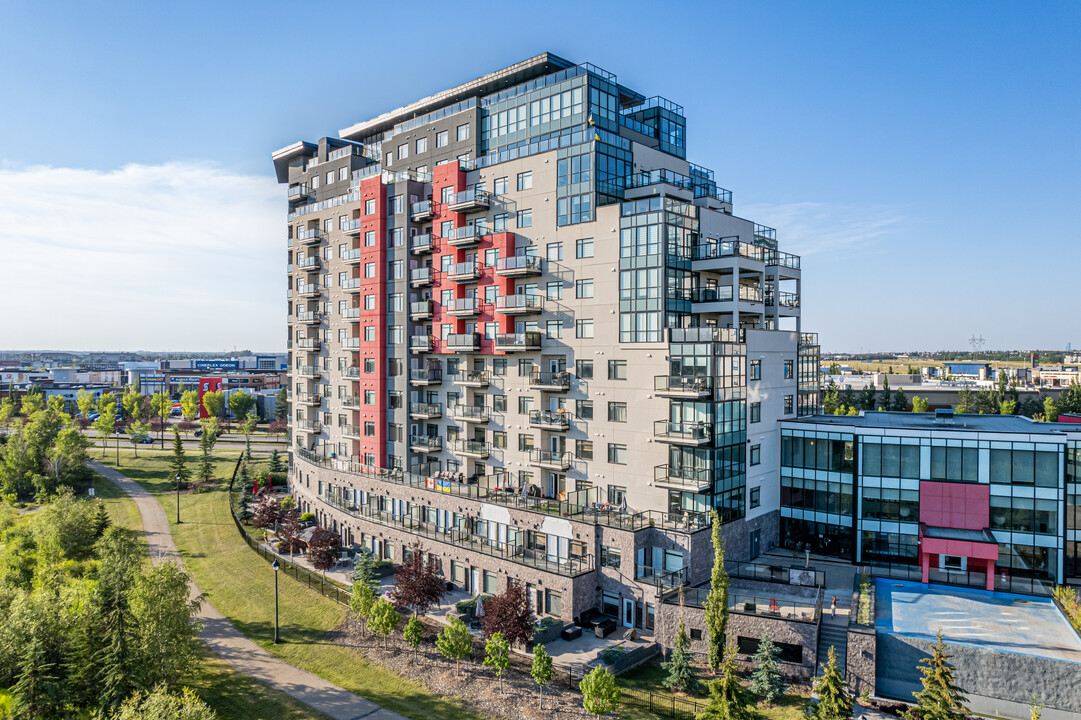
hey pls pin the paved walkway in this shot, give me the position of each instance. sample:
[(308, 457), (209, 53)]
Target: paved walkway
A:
[(228, 643)]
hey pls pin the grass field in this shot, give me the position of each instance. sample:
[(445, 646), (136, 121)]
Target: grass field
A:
[(241, 586), (121, 508), (649, 678)]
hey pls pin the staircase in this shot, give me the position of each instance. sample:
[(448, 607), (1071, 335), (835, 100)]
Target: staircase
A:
[(836, 635)]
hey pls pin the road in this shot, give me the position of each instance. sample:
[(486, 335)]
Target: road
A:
[(228, 642)]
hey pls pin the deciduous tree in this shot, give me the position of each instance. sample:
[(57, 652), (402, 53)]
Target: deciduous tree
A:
[(85, 401), (413, 634), (920, 405), (726, 701), (189, 404), (240, 404), (361, 601), (497, 656), (168, 646), (68, 456), (383, 618), (599, 692), (455, 642), (508, 613), (214, 403), (132, 402), (324, 548), (416, 582), (542, 670), (281, 405), (106, 423), (266, 512), (137, 432), (161, 404)]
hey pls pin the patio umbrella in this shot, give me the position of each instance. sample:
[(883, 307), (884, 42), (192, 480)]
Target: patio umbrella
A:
[(480, 606)]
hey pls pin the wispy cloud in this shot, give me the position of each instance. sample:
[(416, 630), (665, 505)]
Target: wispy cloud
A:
[(809, 228), (171, 256)]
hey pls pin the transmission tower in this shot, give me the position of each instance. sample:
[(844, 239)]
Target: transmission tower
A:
[(976, 343)]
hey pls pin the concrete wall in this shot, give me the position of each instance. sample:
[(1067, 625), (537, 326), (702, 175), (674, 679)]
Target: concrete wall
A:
[(860, 660), (996, 683)]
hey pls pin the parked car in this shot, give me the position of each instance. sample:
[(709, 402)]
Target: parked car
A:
[(199, 433), (145, 440)]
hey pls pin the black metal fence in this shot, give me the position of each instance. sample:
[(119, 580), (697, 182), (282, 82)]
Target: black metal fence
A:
[(665, 706), (314, 580)]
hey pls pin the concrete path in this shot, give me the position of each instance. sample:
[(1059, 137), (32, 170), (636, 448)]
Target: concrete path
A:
[(228, 643)]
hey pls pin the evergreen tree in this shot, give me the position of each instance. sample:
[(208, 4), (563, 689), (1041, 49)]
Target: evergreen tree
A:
[(542, 670), (725, 695), (364, 569), (102, 521), (281, 404), (178, 466), (120, 561), (830, 399), (887, 398), (867, 398), (680, 673), (275, 465), (833, 701), (1050, 410), (766, 680), (717, 600), (900, 402), (941, 698), (497, 656), (38, 692)]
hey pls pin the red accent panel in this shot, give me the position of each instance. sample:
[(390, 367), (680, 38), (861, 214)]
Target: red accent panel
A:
[(207, 385), (955, 505), (373, 189)]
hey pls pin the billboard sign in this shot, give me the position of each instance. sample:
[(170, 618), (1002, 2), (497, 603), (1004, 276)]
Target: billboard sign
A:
[(217, 365)]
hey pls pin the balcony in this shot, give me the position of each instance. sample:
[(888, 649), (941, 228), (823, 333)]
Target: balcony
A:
[(308, 426), (352, 257), (308, 290), (472, 379), (554, 420), (420, 310), (352, 227), (307, 371), (693, 479), (351, 402), (718, 293), (352, 372), (306, 398), (310, 318), (519, 266), (469, 201), (550, 459), (683, 433), (471, 448), (421, 244), (421, 211), (425, 444), (464, 307), (550, 382), (471, 413), (518, 342), (298, 193), (465, 236), (352, 313), (425, 411), (467, 272), (421, 277), (420, 343), (426, 376), (351, 343), (308, 343), (309, 237), (310, 264), (776, 258), (352, 285), (783, 299), (683, 386), (349, 431), (463, 342), (519, 304), (750, 293)]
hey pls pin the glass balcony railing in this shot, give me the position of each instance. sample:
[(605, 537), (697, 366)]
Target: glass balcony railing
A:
[(421, 276), (352, 313), (463, 306), (680, 385), (473, 378), (518, 342), (420, 309), (464, 272), (426, 443), (558, 381), (520, 265), (698, 479), (750, 293), (694, 433), (426, 376), (351, 284), (308, 263), (474, 448), (421, 243), (463, 342), (550, 459), (467, 199), (421, 209), (471, 412), (550, 419), (308, 289), (353, 255), (782, 259), (351, 226), (308, 425), (426, 410), (420, 343), (519, 304), (312, 235)]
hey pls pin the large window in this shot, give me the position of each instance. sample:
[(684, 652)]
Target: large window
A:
[(958, 462), (1023, 465), (891, 459), (818, 453)]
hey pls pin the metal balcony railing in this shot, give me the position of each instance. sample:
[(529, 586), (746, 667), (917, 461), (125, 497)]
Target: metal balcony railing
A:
[(558, 381), (683, 385), (518, 342), (426, 410), (426, 376), (463, 342), (695, 433), (426, 443), (520, 265), (550, 419), (308, 425), (474, 448), (550, 458), (519, 304), (473, 378), (474, 413)]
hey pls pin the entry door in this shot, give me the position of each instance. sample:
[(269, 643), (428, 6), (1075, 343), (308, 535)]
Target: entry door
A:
[(755, 539), (474, 581), (628, 612)]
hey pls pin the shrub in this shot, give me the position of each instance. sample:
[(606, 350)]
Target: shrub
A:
[(610, 655), (307, 517)]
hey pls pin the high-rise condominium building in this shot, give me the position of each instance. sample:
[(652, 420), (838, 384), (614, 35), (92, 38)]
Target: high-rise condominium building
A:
[(525, 330)]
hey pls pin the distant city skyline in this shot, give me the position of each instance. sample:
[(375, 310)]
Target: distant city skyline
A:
[(923, 159)]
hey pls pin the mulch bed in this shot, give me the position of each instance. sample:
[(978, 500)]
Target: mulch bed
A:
[(476, 686)]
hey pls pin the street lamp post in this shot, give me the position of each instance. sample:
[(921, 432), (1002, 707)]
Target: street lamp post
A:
[(276, 566), (117, 446), (178, 520)]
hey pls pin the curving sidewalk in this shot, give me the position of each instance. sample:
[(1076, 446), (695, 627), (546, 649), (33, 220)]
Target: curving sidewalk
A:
[(232, 646)]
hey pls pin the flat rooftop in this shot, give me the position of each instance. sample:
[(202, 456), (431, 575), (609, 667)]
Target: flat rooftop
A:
[(1022, 624), (931, 421)]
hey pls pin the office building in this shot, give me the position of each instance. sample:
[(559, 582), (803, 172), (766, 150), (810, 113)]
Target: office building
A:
[(526, 330)]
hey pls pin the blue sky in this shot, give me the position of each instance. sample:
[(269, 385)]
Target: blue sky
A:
[(924, 158)]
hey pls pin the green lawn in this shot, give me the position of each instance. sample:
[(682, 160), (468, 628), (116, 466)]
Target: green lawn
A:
[(238, 697), (649, 678), (240, 584), (122, 509)]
